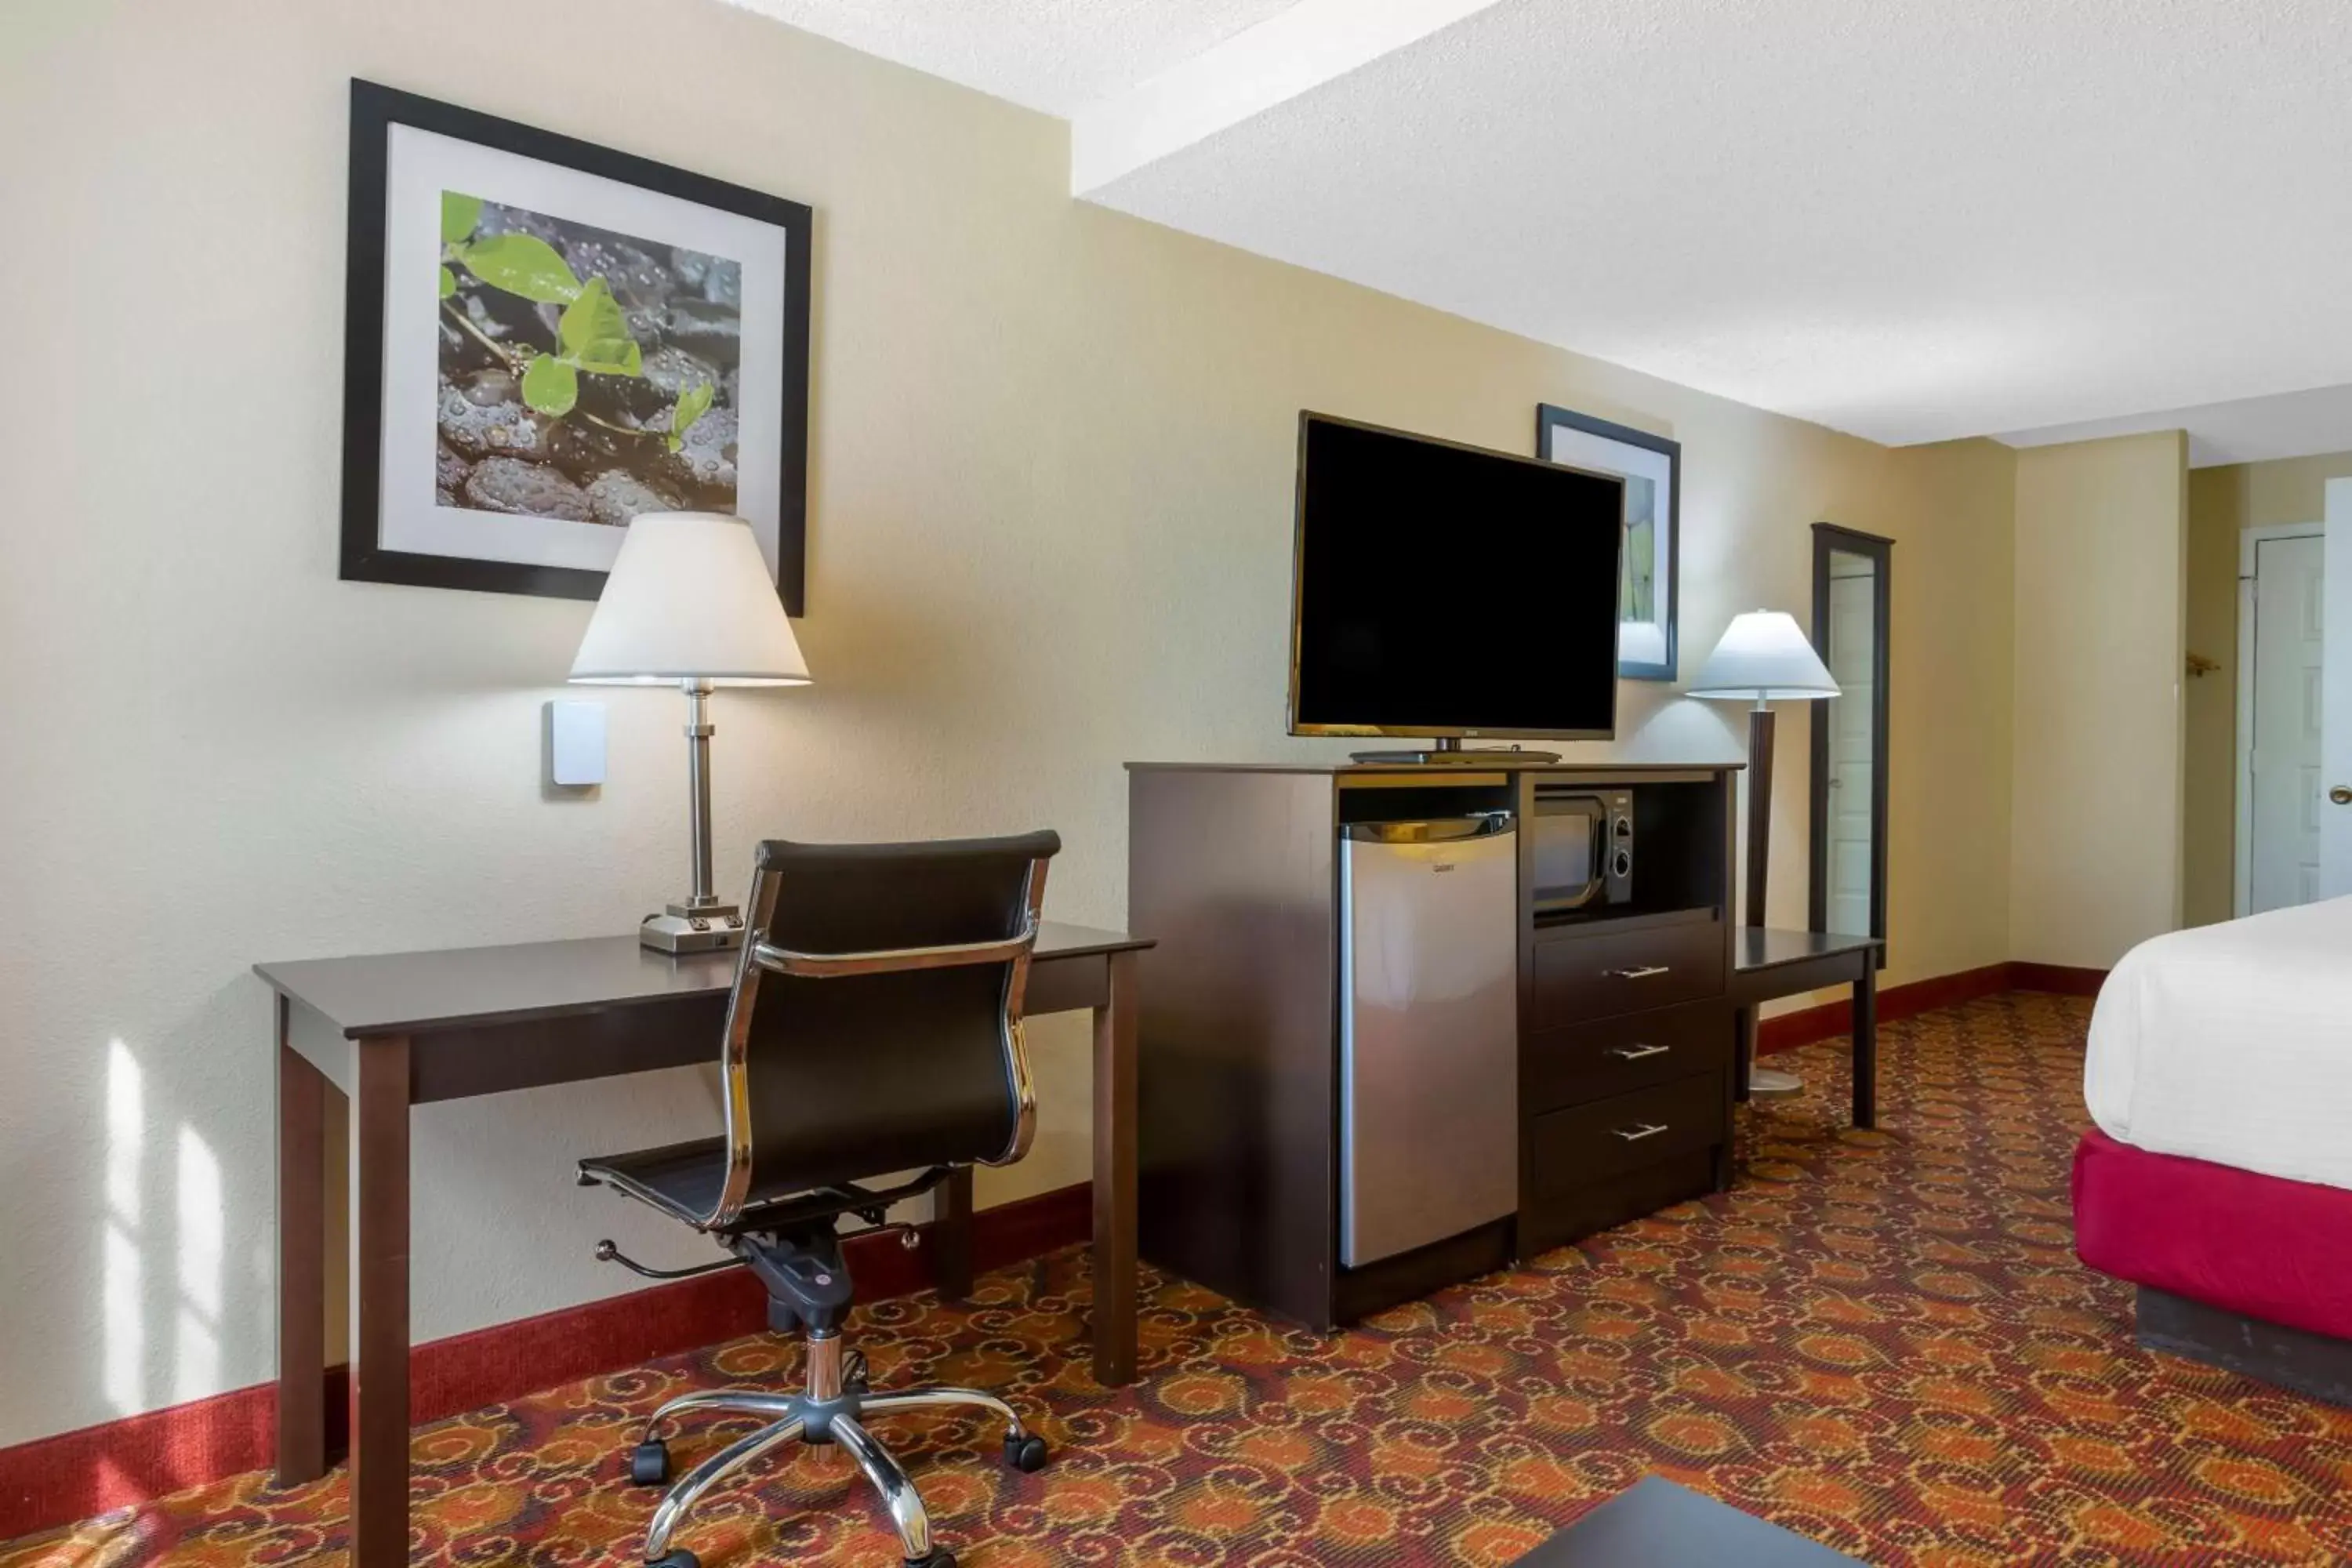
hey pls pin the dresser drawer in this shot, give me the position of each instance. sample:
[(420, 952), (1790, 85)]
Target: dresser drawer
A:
[(1586, 1143), (1616, 1056), (1605, 973), (1557, 1218)]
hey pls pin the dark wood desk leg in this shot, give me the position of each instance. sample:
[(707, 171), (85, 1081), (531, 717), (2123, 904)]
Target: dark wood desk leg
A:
[(1726, 1163), (1743, 1050), (302, 1264), (380, 1358), (951, 1236), (1113, 1176), (1866, 1043)]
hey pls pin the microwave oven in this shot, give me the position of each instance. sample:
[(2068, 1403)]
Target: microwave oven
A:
[(1583, 849)]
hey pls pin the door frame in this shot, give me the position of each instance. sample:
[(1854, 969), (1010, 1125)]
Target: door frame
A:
[(1830, 539), (2242, 832)]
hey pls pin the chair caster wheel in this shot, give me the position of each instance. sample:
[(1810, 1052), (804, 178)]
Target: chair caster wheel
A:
[(1026, 1453), (941, 1558), (649, 1467), (681, 1558)]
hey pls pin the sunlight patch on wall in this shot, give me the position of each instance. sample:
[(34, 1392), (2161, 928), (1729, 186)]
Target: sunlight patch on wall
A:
[(195, 1361), (126, 1131), (120, 1288), (125, 1331)]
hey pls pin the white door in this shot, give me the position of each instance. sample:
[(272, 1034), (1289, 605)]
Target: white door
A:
[(2283, 767), (2335, 805), (1853, 626)]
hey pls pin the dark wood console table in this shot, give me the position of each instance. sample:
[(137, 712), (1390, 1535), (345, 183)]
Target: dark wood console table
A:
[(1621, 1103), (1767, 964), (406, 1029)]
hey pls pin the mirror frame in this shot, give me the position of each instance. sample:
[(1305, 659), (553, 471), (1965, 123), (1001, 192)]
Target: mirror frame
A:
[(1829, 539)]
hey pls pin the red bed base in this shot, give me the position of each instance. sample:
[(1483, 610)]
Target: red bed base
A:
[(2260, 1245)]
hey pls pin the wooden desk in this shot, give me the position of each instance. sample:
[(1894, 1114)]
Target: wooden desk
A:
[(1766, 965), (408, 1029)]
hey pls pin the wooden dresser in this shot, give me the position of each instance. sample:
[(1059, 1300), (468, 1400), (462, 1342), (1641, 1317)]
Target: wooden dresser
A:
[(1625, 1047)]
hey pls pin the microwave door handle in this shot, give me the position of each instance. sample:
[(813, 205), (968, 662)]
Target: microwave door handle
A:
[(1592, 890)]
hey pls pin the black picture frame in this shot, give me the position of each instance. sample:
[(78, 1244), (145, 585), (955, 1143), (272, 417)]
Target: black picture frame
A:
[(1830, 540), (374, 110), (1551, 418)]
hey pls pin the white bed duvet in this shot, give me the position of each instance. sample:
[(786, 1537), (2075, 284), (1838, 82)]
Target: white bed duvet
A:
[(2233, 1043)]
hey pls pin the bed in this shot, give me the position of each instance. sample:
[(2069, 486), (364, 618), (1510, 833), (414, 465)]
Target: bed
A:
[(2218, 1178)]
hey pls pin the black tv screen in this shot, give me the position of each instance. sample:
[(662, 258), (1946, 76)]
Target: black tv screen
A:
[(1447, 591)]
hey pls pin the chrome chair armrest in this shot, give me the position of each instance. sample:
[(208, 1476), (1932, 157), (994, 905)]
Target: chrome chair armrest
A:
[(889, 959)]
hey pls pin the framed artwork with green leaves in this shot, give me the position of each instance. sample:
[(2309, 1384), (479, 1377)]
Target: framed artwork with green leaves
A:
[(546, 338)]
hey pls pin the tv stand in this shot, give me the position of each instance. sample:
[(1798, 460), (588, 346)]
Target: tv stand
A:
[(1449, 750), (1624, 1038)]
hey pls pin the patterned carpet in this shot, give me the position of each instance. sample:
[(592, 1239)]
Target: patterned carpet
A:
[(1880, 1339)]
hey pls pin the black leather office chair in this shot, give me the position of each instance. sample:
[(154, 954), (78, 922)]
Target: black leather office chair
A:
[(874, 1027)]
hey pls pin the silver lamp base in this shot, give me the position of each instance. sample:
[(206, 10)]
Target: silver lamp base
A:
[(693, 928), (1771, 1083), (704, 923)]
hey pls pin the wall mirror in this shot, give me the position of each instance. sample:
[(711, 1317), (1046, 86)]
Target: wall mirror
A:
[(1852, 597)]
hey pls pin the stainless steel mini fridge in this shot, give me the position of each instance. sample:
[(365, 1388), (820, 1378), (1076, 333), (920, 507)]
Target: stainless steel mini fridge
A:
[(1429, 1142)]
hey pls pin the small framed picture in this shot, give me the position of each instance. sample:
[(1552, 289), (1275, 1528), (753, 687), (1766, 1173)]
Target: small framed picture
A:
[(1651, 467), (545, 338)]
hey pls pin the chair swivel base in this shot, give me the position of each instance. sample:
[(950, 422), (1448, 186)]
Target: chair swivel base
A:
[(831, 1411)]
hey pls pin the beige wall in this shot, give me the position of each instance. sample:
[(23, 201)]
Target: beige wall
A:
[(2101, 541), (1952, 638), (2291, 490), (2221, 502), (2207, 757), (1051, 501)]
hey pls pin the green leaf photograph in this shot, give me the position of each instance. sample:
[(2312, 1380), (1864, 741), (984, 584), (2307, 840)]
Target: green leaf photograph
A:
[(608, 337), (584, 374)]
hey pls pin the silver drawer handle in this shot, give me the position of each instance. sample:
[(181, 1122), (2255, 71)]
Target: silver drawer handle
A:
[(1635, 1134), (1644, 973), (1638, 1053)]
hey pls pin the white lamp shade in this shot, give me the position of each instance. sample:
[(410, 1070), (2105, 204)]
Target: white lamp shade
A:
[(1764, 658), (689, 598)]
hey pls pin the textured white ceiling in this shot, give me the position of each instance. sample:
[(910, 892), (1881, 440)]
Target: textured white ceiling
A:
[(1912, 219), (1054, 55)]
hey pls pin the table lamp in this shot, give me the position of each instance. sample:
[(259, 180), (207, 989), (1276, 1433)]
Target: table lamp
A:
[(690, 600), (1764, 658)]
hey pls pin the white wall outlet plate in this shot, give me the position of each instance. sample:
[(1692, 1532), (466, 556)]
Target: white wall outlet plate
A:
[(575, 744)]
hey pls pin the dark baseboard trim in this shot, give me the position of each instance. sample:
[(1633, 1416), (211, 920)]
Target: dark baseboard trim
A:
[(56, 1480), (2065, 980), (1018, 1231), (1810, 1025)]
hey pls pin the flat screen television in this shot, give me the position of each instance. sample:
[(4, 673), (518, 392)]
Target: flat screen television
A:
[(1448, 591)]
